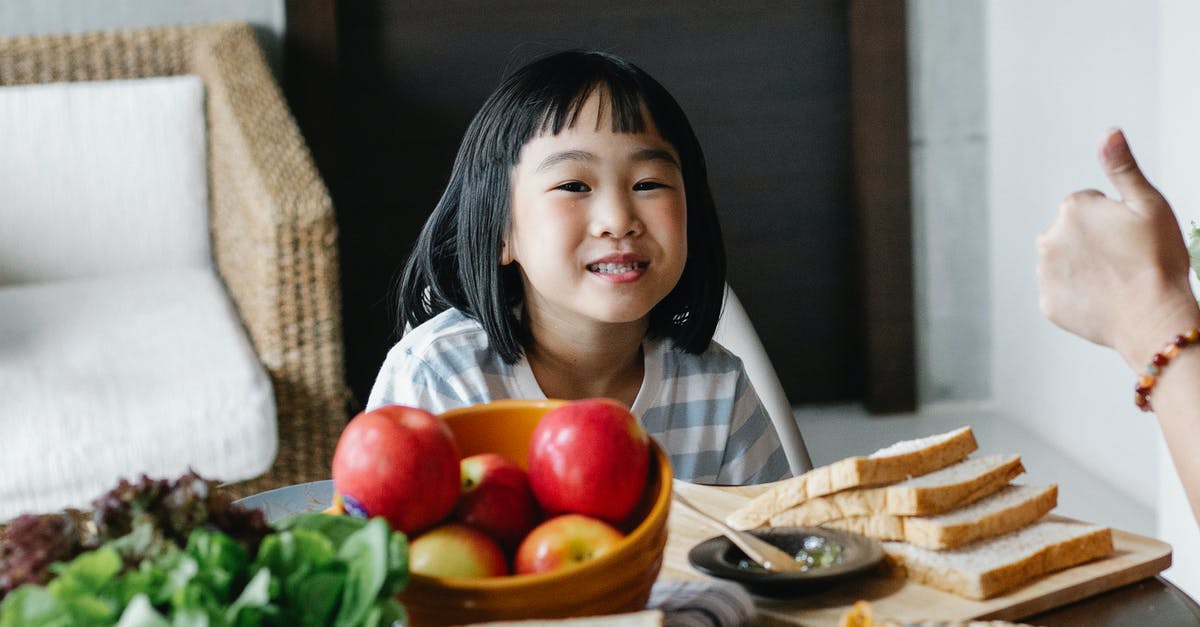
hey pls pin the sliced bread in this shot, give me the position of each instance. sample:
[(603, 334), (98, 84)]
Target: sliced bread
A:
[(932, 493), (1011, 508), (897, 462), (984, 569)]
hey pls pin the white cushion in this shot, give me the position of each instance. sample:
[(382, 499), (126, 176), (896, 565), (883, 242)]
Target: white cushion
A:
[(102, 177), (113, 377)]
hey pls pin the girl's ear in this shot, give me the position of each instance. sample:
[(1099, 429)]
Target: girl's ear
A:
[(505, 255)]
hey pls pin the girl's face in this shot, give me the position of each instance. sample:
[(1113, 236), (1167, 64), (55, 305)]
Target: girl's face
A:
[(599, 221)]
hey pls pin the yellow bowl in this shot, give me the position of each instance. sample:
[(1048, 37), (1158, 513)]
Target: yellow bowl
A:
[(618, 581)]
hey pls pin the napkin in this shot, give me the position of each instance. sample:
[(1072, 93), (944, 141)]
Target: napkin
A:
[(710, 603)]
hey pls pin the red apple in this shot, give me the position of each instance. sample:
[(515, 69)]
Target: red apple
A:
[(455, 550), (589, 457), (564, 540), (400, 463), (496, 499)]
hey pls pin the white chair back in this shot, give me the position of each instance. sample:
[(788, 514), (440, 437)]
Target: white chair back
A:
[(736, 333)]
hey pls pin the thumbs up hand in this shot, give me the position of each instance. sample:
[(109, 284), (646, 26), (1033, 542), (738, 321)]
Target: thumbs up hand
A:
[(1115, 271)]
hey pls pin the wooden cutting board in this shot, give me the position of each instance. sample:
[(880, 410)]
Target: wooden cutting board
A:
[(1134, 558)]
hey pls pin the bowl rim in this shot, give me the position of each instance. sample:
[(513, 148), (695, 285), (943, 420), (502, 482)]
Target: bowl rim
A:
[(630, 544), (505, 403)]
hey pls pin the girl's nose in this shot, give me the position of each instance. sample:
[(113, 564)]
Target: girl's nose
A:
[(615, 216)]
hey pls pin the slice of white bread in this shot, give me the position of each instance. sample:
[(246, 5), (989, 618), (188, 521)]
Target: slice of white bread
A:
[(984, 569), (932, 493), (897, 462), (1011, 508)]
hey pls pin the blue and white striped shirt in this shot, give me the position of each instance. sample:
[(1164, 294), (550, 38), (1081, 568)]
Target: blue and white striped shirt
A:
[(701, 409)]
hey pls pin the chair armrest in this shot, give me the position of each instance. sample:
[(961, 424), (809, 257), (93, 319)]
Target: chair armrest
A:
[(275, 246)]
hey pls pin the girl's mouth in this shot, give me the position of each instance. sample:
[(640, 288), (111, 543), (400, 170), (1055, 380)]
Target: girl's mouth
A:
[(617, 268)]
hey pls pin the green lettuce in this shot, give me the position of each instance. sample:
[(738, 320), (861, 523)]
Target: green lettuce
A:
[(313, 570)]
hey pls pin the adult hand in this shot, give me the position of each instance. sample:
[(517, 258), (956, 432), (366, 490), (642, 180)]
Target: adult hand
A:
[(1116, 271)]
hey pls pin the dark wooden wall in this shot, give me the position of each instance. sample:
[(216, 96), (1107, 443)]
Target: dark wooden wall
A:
[(767, 85)]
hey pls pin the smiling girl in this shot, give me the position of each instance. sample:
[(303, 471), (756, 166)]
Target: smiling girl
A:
[(576, 253)]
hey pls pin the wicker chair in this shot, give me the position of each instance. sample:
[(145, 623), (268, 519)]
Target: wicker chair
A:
[(274, 238)]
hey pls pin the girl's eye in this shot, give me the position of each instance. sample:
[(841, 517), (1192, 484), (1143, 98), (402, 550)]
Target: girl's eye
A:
[(574, 186), (645, 186)]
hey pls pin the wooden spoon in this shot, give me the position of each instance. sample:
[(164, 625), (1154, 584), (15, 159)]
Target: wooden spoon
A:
[(763, 553)]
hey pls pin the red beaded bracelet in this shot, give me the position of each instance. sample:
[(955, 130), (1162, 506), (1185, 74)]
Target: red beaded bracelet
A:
[(1145, 382)]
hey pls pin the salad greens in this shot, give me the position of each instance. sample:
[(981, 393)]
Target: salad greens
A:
[(313, 569)]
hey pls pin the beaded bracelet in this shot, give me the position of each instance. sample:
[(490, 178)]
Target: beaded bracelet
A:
[(1149, 377)]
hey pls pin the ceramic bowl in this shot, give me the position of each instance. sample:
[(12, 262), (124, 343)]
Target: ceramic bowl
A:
[(720, 558), (618, 581)]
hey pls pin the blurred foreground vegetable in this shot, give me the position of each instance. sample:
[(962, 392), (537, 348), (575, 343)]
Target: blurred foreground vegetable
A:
[(171, 553)]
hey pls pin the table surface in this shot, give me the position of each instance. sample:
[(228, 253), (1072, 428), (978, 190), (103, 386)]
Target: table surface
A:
[(1152, 600)]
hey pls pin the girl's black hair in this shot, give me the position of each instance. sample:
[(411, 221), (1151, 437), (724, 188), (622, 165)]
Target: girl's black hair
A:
[(456, 259)]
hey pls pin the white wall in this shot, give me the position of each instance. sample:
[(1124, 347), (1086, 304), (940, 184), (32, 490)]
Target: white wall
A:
[(1058, 75), (1180, 127)]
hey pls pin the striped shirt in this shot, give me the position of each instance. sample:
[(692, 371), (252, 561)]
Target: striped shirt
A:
[(701, 409)]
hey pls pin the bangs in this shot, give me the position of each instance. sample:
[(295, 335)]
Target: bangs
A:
[(623, 103), (548, 95)]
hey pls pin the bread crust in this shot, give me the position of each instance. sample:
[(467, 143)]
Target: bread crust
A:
[(911, 458), (939, 532), (965, 483)]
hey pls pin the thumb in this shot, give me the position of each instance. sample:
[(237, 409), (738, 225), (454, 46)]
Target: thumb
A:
[(1123, 172)]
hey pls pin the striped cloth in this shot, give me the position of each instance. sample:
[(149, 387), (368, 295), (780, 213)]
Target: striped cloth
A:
[(702, 409), (712, 603)]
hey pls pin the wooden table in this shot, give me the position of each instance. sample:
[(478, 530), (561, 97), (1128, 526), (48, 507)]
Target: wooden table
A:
[(1152, 601), (1120, 590)]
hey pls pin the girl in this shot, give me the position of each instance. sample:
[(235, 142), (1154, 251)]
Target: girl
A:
[(576, 253)]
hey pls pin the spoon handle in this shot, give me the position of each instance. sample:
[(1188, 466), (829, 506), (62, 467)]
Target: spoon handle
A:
[(765, 554)]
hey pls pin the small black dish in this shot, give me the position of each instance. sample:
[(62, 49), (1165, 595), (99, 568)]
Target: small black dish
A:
[(721, 558)]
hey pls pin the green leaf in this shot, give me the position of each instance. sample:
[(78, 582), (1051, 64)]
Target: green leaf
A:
[(366, 555), (33, 605), (88, 572), (191, 617), (316, 597), (221, 561), (92, 608), (148, 578), (335, 528), (392, 612), (254, 596), (140, 613), (397, 565), (173, 579)]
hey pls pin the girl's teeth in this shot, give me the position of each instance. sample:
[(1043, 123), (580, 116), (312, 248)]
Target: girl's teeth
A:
[(614, 268)]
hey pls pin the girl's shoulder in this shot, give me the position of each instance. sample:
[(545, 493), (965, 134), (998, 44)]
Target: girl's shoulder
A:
[(450, 330), (716, 360)]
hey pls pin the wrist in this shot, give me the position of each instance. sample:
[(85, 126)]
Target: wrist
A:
[(1148, 380), (1175, 315)]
